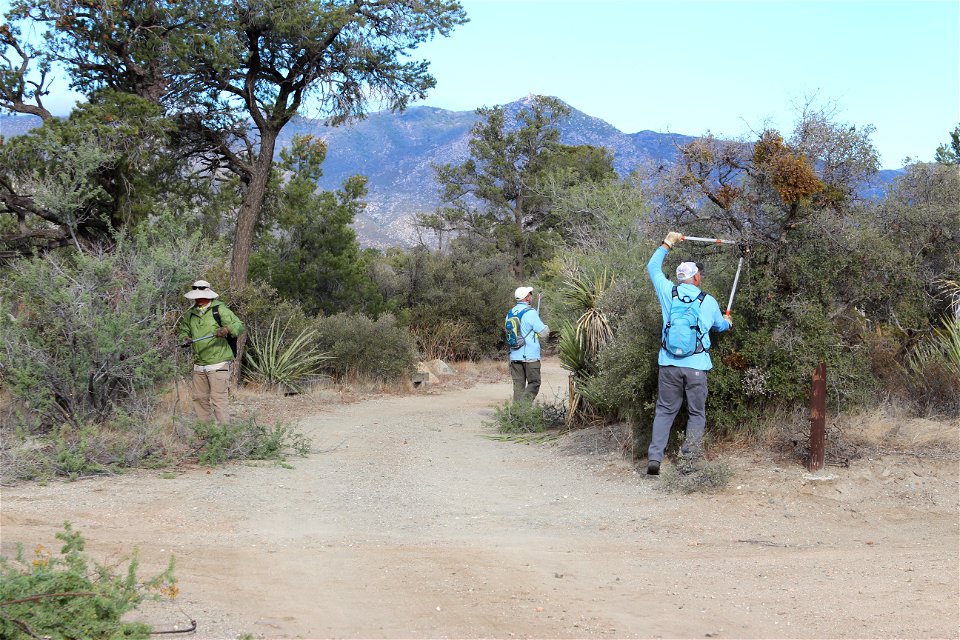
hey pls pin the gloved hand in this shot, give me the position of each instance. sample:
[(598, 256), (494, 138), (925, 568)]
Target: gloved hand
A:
[(222, 332), (728, 318), (672, 238)]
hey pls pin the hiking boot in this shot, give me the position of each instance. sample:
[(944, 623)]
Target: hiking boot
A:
[(653, 468)]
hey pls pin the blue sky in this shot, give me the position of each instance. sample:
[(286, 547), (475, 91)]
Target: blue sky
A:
[(725, 67), (719, 66)]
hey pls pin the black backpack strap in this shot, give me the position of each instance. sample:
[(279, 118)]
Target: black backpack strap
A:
[(230, 339)]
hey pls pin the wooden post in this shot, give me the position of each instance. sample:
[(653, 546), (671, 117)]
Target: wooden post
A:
[(818, 417)]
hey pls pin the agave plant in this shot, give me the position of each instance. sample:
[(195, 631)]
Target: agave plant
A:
[(952, 289), (272, 358), (593, 329), (943, 345), (580, 344)]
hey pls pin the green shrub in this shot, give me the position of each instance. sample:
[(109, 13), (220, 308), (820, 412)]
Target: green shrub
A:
[(92, 338), (524, 417), (66, 596), (76, 452), (361, 347), (246, 439), (625, 385), (463, 292)]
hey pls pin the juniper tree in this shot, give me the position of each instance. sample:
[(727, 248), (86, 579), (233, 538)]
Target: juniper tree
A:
[(235, 73), (498, 193)]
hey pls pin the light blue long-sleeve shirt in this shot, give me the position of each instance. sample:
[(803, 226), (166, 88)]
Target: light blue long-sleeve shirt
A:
[(530, 326), (710, 315)]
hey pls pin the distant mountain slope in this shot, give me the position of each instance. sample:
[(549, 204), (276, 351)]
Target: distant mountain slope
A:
[(397, 153), (17, 125)]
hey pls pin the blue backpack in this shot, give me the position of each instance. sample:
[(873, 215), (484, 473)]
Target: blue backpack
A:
[(515, 339), (681, 336)]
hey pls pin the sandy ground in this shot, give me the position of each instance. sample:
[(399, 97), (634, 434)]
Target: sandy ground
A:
[(406, 522)]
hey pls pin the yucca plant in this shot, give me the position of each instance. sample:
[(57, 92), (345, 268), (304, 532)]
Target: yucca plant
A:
[(580, 344), (943, 344), (952, 290), (935, 362), (273, 359)]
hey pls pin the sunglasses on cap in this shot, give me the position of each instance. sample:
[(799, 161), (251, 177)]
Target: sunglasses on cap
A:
[(195, 288)]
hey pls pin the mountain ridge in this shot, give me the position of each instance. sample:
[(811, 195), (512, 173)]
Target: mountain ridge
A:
[(397, 152)]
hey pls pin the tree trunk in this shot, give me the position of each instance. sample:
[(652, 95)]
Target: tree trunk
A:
[(250, 210), (247, 219)]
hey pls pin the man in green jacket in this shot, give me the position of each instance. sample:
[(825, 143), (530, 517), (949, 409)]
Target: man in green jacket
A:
[(206, 327)]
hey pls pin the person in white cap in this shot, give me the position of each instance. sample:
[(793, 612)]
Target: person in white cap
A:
[(688, 316), (210, 328), (528, 329)]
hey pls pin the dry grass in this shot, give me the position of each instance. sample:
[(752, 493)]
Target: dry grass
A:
[(889, 429), (482, 372)]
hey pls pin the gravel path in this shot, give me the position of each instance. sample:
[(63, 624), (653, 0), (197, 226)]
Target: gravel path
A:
[(407, 522)]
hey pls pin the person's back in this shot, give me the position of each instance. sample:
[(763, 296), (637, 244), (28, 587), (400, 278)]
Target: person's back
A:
[(708, 314), (525, 359), (683, 372)]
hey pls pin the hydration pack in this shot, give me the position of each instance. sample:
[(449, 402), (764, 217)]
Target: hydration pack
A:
[(681, 336), (515, 339)]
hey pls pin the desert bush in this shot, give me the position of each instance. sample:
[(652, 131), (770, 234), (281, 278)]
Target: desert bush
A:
[(524, 416), (362, 347), (274, 358), (694, 476), (446, 339), (86, 336), (463, 293), (69, 596), (246, 438)]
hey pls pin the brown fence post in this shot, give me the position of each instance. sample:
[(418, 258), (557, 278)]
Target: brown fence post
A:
[(818, 417)]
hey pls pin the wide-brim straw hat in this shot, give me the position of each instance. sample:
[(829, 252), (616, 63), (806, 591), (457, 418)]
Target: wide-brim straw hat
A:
[(200, 290)]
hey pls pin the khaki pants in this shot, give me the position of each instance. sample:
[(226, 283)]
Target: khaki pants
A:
[(526, 380), (209, 391)]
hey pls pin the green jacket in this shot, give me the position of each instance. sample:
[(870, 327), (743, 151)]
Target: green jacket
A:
[(196, 325)]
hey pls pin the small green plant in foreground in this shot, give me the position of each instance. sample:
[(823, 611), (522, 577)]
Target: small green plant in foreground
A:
[(247, 439), (66, 596), (524, 417), (693, 476)]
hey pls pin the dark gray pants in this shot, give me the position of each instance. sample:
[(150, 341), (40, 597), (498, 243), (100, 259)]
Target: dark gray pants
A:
[(674, 384), (526, 380)]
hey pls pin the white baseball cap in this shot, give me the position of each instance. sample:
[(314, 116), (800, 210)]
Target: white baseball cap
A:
[(686, 270), (522, 292)]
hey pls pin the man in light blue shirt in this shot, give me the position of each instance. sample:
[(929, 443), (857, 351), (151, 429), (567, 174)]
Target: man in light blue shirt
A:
[(525, 361), (685, 375)]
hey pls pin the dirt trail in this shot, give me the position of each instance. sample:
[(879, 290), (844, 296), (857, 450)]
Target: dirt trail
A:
[(406, 522)]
